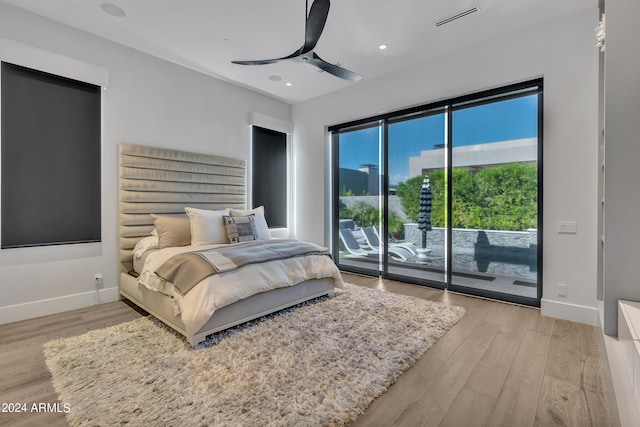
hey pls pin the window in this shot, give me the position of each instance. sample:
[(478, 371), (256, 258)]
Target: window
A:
[(51, 157), (269, 175), (459, 201)]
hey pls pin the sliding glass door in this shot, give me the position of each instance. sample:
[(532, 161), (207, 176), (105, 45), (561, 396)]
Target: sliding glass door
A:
[(445, 195), (411, 139), (358, 189), (494, 220)]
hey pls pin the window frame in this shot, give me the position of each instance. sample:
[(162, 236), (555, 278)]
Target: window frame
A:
[(515, 90)]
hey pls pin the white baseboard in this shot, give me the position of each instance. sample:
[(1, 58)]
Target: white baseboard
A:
[(573, 312), (30, 310)]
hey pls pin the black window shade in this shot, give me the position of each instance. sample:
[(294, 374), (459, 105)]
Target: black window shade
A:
[(51, 157), (269, 175)]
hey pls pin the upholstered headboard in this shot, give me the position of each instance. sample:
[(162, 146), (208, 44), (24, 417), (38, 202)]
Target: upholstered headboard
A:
[(158, 180)]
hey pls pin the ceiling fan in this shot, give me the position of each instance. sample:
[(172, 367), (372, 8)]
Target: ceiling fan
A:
[(314, 24)]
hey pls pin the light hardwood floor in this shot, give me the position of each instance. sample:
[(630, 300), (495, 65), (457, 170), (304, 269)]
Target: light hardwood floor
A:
[(501, 365)]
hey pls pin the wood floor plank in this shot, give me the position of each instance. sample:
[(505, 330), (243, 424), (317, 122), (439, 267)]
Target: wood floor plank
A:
[(437, 357), (588, 340), (540, 323), (487, 370), (446, 384), (564, 352), (34, 419), (489, 375), (398, 407), (499, 313), (470, 409), (25, 377), (518, 400), (559, 404), (423, 412), (492, 370), (594, 410)]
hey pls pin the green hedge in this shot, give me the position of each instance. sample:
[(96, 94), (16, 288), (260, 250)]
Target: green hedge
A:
[(497, 198), (365, 215)]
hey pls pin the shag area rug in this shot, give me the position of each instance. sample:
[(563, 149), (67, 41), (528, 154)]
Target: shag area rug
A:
[(320, 363)]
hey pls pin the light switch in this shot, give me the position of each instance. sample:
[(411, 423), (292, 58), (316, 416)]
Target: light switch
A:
[(567, 227)]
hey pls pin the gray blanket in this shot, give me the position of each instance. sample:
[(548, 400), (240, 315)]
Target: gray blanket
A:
[(187, 269)]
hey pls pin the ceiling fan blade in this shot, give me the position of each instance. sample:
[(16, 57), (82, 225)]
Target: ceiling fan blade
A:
[(315, 24), (343, 73), (259, 62), (269, 61)]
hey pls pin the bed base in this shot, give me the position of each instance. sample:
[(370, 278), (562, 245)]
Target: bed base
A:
[(160, 305)]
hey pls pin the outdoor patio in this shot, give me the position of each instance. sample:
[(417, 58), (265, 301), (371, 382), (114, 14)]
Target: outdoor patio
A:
[(434, 270)]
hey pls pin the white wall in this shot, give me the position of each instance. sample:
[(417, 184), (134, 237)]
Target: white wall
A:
[(563, 52), (149, 102), (622, 145)]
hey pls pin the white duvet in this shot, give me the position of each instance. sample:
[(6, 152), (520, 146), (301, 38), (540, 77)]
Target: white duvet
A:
[(220, 290)]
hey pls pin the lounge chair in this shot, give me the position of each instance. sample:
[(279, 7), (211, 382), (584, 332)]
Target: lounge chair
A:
[(351, 225), (373, 240), (352, 246), (396, 251)]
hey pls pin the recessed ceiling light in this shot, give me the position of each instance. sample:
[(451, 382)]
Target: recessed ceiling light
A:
[(113, 10), (382, 47), (275, 78), (289, 83)]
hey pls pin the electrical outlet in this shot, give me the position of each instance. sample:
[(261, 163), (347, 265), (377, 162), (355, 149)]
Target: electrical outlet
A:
[(98, 281), (562, 290)]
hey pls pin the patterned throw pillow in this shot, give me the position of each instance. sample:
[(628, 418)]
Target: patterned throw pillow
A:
[(240, 228)]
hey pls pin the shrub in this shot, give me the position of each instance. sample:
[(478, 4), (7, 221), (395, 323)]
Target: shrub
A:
[(365, 215), (497, 198)]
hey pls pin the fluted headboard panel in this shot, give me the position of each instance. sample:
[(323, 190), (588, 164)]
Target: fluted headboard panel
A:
[(158, 180)]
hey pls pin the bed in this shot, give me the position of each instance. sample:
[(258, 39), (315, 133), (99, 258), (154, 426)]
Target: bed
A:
[(155, 186)]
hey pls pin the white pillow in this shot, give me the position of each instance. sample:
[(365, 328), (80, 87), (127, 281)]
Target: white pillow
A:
[(261, 222), (145, 244), (207, 226)]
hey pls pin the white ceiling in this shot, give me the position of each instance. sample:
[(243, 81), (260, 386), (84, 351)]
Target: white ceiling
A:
[(206, 35)]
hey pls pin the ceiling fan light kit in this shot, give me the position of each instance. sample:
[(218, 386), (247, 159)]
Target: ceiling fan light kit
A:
[(314, 25)]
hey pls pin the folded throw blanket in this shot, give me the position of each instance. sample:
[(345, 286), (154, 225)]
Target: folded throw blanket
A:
[(187, 269)]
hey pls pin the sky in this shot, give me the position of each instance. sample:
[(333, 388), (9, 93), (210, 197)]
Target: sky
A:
[(498, 121)]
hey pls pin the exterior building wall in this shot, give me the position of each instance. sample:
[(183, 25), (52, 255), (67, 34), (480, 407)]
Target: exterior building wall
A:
[(363, 182), (356, 182), (477, 156)]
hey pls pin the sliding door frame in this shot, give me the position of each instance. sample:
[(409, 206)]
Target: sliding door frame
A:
[(335, 191), (447, 107), (534, 88), (399, 118)]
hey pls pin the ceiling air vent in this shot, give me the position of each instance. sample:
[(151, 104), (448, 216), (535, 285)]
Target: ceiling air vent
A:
[(457, 15)]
